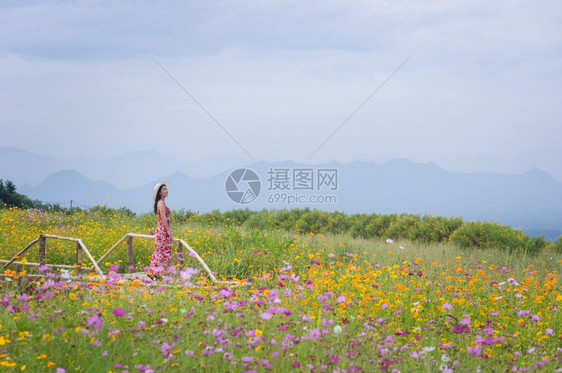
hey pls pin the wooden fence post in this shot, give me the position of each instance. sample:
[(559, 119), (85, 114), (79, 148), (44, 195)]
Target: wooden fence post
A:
[(179, 253), (42, 240), (130, 256), (79, 257), (18, 275)]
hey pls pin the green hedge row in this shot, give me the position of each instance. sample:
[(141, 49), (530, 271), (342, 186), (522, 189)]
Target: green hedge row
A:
[(427, 229)]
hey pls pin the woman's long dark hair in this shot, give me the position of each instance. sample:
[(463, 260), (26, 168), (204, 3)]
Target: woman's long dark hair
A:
[(158, 198)]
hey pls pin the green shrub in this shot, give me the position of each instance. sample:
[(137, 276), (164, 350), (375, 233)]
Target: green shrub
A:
[(402, 226), (338, 223), (538, 243), (261, 221), (108, 211), (558, 245), (491, 235), (313, 221), (237, 217), (379, 225), (359, 224), (181, 216), (434, 229)]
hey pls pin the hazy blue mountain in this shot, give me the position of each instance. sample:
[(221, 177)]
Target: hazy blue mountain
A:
[(124, 171), (64, 186), (547, 160), (531, 201), (24, 167)]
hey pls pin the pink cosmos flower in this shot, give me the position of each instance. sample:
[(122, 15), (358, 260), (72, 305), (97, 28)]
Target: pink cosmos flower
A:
[(535, 318), (188, 273), (164, 349), (94, 322), (314, 334), (266, 315), (119, 312), (475, 350)]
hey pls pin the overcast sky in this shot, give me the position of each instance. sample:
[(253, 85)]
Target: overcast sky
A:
[(482, 91)]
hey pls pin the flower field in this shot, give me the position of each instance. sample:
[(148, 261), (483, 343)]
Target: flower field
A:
[(322, 303)]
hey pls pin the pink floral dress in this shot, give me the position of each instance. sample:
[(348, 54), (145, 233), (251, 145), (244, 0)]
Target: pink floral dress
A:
[(162, 256)]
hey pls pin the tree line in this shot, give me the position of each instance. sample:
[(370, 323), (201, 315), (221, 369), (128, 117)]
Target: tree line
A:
[(9, 197)]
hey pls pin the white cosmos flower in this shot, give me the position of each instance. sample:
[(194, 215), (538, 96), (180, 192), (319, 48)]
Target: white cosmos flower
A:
[(65, 273)]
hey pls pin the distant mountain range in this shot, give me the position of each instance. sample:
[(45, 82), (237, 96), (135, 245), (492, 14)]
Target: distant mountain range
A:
[(531, 201), (125, 171)]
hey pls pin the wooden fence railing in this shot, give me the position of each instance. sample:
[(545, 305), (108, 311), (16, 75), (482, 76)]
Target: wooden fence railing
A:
[(81, 248)]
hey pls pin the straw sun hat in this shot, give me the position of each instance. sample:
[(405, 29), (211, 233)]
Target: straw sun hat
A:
[(157, 186)]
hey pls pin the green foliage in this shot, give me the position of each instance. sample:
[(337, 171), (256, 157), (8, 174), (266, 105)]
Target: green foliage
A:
[(378, 226), (108, 211), (181, 216), (274, 219), (237, 217), (424, 229), (359, 224), (9, 197), (313, 221), (211, 218), (403, 226), (558, 245), (434, 229), (492, 235)]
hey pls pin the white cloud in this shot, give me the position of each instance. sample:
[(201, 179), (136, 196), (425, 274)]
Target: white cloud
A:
[(281, 76)]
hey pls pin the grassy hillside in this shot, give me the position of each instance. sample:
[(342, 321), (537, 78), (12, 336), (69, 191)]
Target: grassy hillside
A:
[(305, 301)]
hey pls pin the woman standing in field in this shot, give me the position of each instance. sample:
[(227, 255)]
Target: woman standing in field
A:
[(162, 256)]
